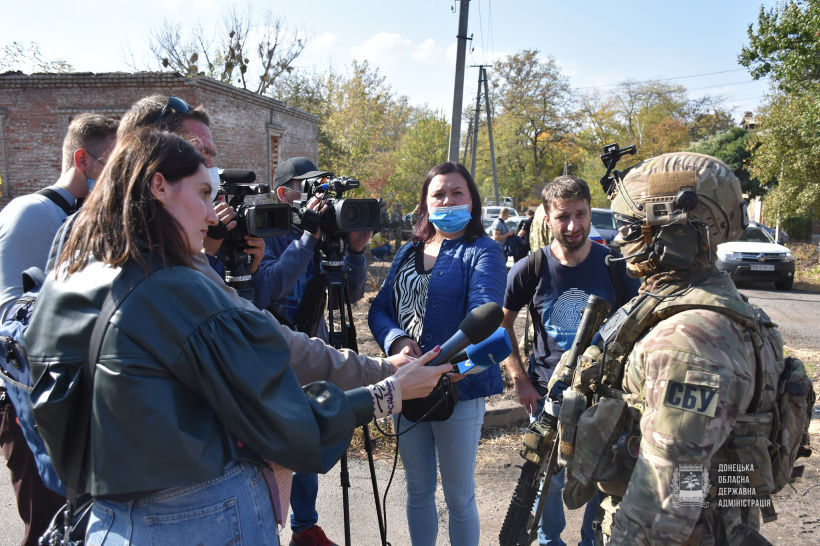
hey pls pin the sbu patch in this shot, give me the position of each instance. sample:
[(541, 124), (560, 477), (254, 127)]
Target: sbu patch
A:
[(690, 399), (695, 398)]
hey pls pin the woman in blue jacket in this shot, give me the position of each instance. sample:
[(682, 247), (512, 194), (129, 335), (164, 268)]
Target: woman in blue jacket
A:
[(449, 267)]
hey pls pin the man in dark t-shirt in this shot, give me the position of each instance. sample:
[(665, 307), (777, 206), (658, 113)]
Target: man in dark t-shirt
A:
[(572, 268)]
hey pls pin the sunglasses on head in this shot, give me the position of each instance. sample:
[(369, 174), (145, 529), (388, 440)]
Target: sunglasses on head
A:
[(176, 104)]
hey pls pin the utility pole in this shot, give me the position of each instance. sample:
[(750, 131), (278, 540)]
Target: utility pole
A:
[(474, 134), (482, 79), (467, 147), (458, 93), (490, 131)]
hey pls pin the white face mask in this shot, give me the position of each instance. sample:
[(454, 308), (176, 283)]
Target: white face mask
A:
[(213, 172)]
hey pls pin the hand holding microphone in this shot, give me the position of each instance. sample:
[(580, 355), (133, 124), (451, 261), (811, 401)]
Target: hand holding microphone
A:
[(480, 356), (475, 328), (480, 324)]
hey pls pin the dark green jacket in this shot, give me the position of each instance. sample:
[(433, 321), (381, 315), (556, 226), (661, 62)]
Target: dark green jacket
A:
[(186, 382)]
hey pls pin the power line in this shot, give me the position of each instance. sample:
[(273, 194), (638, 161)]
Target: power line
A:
[(481, 32), (721, 85), (666, 79)]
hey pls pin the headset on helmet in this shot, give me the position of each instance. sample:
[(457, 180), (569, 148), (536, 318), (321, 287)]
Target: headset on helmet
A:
[(674, 207)]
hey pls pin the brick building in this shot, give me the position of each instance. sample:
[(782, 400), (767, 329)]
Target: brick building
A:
[(251, 131)]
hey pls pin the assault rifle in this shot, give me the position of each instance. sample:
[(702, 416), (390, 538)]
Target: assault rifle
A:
[(540, 451)]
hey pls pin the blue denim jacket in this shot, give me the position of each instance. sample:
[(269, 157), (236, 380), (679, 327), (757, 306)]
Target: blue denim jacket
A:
[(464, 277)]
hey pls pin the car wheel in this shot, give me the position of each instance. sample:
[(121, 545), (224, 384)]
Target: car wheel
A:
[(785, 285)]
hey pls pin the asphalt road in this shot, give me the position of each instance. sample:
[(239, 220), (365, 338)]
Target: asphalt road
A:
[(797, 313)]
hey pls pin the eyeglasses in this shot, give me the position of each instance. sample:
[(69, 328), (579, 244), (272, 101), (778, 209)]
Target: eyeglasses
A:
[(176, 104), (100, 161)]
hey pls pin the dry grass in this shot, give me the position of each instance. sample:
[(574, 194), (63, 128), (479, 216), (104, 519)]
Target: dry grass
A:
[(807, 276), (383, 446), (493, 440)]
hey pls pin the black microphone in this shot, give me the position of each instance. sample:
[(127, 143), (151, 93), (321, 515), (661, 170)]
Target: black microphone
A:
[(475, 328), (609, 259), (237, 176)]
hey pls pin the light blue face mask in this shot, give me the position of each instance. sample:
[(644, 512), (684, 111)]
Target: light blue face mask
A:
[(213, 172), (450, 219), (91, 184)]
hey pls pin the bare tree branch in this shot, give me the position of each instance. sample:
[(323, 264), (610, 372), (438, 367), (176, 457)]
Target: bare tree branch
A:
[(224, 54)]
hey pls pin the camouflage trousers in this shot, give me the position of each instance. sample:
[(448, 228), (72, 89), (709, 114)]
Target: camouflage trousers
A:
[(716, 527)]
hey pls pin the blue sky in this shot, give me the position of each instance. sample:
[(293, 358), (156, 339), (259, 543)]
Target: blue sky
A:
[(412, 42)]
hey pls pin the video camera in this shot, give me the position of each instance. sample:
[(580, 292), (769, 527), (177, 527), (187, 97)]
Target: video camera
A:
[(341, 216), (257, 220)]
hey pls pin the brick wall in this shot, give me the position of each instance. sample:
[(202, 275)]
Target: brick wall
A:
[(35, 111)]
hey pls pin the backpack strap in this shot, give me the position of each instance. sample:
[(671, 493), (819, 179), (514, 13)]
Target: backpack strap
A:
[(534, 263), (55, 197), (129, 277), (616, 275)]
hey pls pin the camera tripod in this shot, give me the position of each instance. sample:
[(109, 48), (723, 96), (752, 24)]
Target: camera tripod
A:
[(330, 287)]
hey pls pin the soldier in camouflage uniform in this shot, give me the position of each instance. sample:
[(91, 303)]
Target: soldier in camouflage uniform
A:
[(686, 352), (396, 224)]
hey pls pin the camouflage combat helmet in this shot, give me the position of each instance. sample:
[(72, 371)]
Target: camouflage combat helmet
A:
[(686, 192)]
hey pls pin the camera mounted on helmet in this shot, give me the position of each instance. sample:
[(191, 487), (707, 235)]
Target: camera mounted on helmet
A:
[(613, 153)]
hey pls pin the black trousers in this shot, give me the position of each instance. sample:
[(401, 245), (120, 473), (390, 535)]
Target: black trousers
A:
[(36, 503)]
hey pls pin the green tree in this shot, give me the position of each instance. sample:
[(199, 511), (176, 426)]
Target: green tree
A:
[(361, 120), (734, 147), (786, 45), (533, 116), (787, 149), (424, 145)]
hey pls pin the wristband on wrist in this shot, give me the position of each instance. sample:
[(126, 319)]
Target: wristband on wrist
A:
[(351, 251), (386, 396)]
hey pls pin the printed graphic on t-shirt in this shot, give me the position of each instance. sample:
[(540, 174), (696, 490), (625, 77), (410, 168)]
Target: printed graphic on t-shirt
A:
[(565, 317)]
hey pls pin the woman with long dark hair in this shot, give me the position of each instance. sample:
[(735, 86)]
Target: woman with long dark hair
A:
[(193, 398), (449, 267)]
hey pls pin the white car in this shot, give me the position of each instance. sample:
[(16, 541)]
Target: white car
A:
[(756, 257), (491, 213)]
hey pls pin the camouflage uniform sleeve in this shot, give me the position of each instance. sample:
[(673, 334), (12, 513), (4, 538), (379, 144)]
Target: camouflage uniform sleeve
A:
[(539, 230), (697, 371)]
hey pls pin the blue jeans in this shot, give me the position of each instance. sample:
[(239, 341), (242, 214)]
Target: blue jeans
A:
[(553, 522), (455, 441), (303, 494), (234, 508), (380, 252)]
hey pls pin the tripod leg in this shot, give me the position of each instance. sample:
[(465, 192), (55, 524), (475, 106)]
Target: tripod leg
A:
[(352, 343), (345, 476), (368, 446)]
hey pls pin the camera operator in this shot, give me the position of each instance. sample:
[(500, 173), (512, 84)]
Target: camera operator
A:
[(288, 264), (287, 267)]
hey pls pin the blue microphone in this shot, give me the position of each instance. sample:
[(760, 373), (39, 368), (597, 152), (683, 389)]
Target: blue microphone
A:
[(489, 352)]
